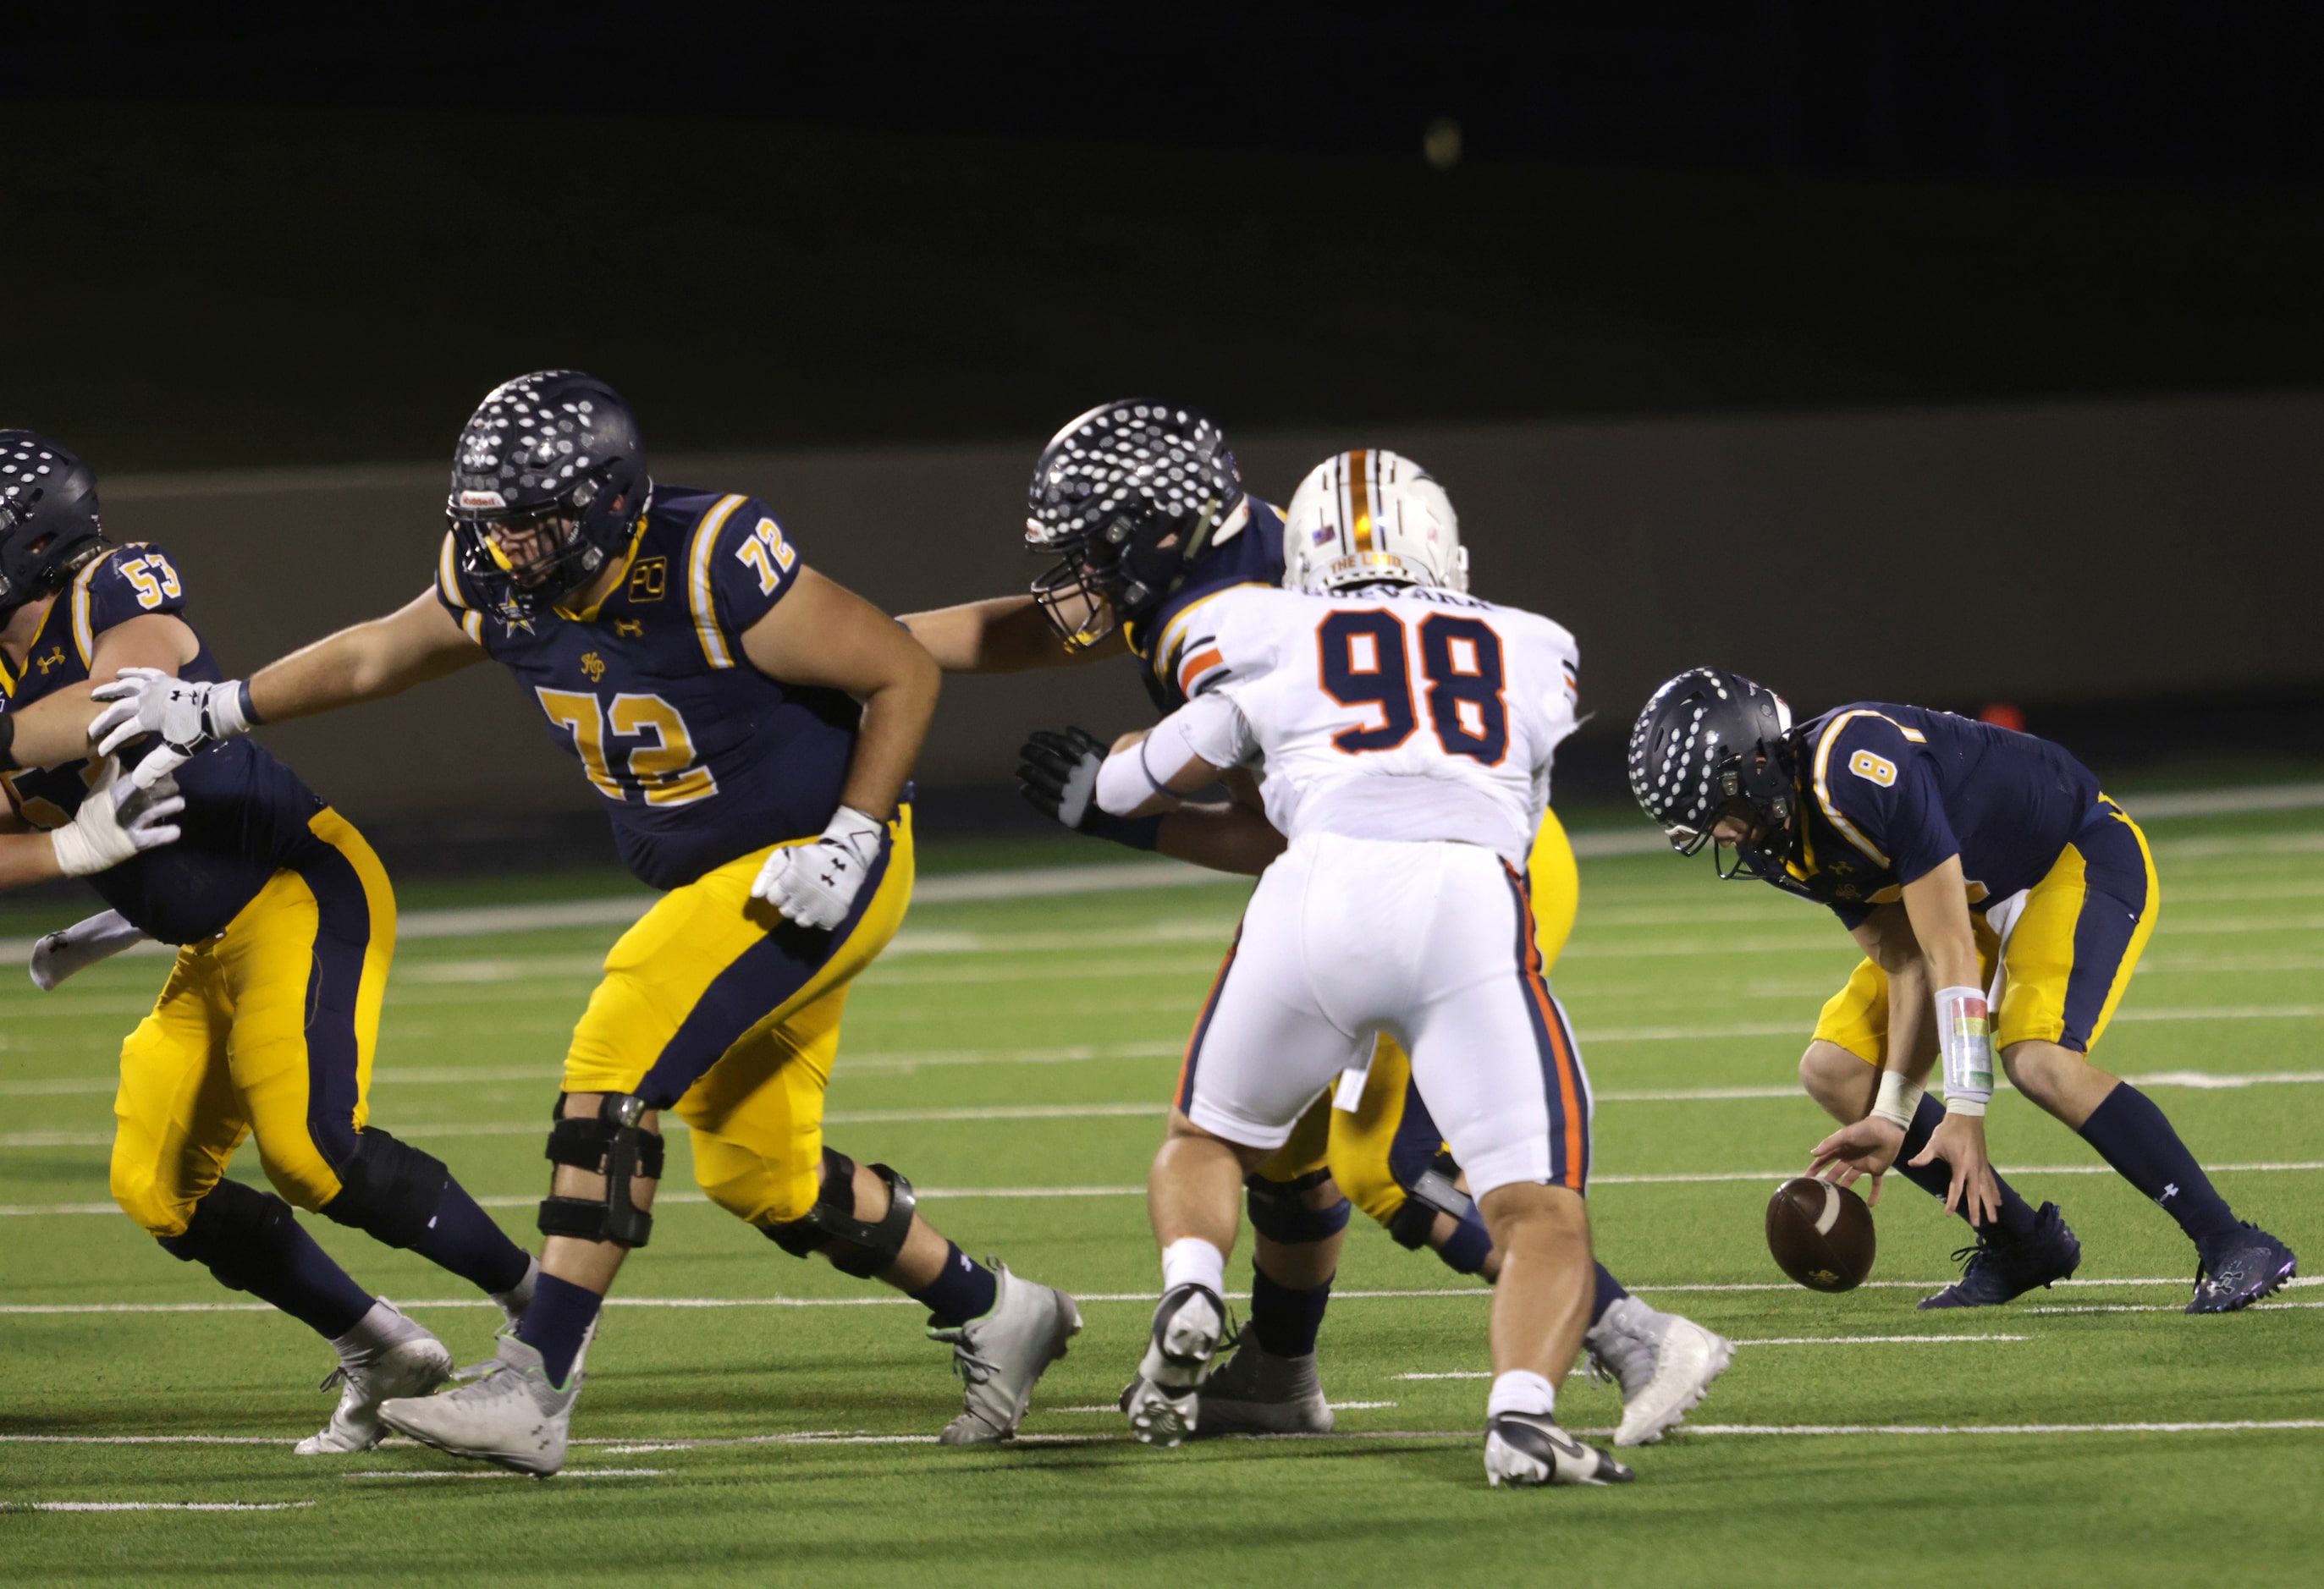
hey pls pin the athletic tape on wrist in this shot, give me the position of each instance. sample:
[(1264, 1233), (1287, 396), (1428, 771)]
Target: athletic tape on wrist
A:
[(1965, 1037), (1899, 1099)]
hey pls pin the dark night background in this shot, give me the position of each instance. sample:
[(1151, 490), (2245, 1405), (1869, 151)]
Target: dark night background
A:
[(269, 237)]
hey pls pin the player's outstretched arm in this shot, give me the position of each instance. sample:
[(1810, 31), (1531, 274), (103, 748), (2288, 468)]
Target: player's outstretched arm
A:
[(1937, 905), (383, 657), (54, 731), (1184, 754), (1868, 1147), (418, 642), (1007, 634), (116, 820)]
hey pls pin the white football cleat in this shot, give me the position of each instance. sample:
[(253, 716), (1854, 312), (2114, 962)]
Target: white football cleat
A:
[(1162, 1402), (385, 1356), (1002, 1355), (1524, 1449), (1256, 1393), (1664, 1364), (506, 1410)]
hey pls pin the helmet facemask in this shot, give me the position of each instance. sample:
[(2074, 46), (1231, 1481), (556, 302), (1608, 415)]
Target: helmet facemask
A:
[(1711, 745)]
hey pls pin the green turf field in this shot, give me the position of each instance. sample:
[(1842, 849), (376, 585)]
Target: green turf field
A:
[(752, 1419)]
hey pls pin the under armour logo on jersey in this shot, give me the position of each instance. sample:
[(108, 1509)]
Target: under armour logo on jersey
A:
[(2169, 1192), (55, 658), (629, 629)]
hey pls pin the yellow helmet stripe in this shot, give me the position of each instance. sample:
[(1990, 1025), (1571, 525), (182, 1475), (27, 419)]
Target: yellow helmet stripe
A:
[(1360, 497)]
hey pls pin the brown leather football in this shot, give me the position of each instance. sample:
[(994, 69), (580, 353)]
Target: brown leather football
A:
[(1821, 1234)]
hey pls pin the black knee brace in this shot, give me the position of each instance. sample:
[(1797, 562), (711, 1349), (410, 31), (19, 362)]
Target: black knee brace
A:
[(388, 1190), (855, 1247), (615, 1146), (1279, 1210), (232, 1226), (1434, 1191)]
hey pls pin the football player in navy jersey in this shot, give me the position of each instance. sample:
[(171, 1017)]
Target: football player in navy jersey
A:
[(748, 726), (2002, 901), (1140, 507), (285, 924)]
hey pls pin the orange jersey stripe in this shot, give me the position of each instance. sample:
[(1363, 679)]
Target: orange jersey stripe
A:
[(1194, 667), (1569, 1090)]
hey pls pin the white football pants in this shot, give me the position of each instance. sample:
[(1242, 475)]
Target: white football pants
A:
[(1432, 943)]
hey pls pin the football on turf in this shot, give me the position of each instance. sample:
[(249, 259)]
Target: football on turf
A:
[(1821, 1234)]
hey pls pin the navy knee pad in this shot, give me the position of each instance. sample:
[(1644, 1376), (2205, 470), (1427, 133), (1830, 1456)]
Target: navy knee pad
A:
[(389, 1189), (235, 1232), (1279, 1210)]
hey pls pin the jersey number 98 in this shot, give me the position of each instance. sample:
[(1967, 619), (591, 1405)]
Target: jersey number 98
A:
[(1361, 662)]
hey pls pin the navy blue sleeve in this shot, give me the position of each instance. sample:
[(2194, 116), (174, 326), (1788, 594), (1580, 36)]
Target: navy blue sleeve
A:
[(751, 564), (1875, 781), (127, 584)]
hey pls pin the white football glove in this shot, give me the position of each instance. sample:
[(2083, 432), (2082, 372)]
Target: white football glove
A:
[(185, 714), (815, 884), (116, 821), (57, 955)]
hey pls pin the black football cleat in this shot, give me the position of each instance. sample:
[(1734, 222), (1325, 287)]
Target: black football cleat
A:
[(2249, 1265), (2000, 1269), (1526, 1449)]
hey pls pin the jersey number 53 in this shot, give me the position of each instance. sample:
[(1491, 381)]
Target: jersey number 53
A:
[(1361, 662), (660, 767)]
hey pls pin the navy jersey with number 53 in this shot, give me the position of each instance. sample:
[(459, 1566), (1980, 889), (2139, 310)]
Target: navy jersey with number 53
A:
[(698, 757), (246, 814)]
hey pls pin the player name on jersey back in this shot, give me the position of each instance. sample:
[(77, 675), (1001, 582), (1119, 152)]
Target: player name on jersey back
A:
[(1400, 713)]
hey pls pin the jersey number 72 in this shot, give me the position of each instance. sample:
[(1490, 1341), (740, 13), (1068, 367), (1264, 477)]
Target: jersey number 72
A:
[(1361, 662)]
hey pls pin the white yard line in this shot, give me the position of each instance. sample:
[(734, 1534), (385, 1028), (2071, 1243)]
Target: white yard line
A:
[(566, 1472)]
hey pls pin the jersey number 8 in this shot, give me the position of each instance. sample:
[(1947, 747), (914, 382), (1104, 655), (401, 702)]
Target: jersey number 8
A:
[(1361, 662)]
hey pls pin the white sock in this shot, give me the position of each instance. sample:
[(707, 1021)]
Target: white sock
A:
[(1521, 1390), (375, 1333), (518, 1295), (1191, 1261)]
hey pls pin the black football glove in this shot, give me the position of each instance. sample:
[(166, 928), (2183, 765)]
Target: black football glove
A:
[(1057, 772)]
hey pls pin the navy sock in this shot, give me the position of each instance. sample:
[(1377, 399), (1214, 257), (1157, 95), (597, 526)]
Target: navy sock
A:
[(1936, 1176), (1464, 1251), (557, 1323), (1609, 1291), (463, 1238), (1285, 1320), (961, 1291), (301, 1279), (2133, 1136)]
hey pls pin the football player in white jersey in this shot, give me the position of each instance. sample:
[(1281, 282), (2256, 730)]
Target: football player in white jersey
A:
[(1403, 731)]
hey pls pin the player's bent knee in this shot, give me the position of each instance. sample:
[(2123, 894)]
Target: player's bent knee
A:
[(1432, 1190), (1280, 1210), (862, 1248), (388, 1189), (1840, 1081), (617, 1146), (231, 1227)]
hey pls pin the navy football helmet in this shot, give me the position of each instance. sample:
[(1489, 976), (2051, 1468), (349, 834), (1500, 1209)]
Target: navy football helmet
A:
[(556, 452), (1710, 744), (48, 524), (1124, 498)]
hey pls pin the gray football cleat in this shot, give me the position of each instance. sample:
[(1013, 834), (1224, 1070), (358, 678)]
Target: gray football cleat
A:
[(385, 1356), (1162, 1401), (1002, 1355), (1523, 1449), (504, 1411), (1256, 1393), (1664, 1364)]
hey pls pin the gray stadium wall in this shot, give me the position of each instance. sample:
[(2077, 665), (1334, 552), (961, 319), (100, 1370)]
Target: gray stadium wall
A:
[(2065, 552)]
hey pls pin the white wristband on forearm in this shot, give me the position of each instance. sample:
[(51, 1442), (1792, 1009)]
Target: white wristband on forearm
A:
[(1965, 1037), (1899, 1099)]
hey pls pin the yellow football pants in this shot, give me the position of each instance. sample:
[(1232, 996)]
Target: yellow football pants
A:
[(715, 1008), (2069, 958), (267, 1028), (1354, 1145)]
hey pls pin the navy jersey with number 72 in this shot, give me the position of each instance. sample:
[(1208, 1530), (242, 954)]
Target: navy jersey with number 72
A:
[(1398, 713), (697, 757)]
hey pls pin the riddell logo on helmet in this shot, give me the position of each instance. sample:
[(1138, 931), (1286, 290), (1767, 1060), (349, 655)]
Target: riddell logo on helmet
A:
[(476, 499)]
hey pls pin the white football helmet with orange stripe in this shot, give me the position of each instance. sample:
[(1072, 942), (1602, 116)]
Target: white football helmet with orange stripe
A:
[(1370, 516)]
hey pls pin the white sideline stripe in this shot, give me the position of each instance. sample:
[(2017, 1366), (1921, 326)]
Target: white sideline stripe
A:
[(2003, 1429), (1145, 1298), (2152, 1307), (2237, 802), (152, 1505), (666, 1199)]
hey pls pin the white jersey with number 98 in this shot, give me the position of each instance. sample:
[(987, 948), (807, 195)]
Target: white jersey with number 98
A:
[(1403, 712)]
